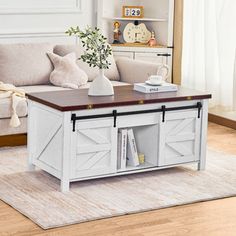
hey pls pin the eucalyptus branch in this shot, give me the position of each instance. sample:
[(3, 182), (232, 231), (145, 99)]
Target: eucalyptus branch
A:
[(97, 50)]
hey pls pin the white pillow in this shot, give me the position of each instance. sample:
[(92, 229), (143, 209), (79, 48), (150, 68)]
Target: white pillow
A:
[(112, 73), (66, 72)]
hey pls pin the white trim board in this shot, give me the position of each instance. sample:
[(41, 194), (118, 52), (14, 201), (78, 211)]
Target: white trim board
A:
[(32, 11), (30, 33), (47, 9)]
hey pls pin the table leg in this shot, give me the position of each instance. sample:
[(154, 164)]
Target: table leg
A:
[(65, 186), (31, 167), (66, 157), (201, 166), (203, 144), (30, 141)]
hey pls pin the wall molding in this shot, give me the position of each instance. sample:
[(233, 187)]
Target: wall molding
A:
[(47, 20), (29, 33), (77, 9), (42, 11)]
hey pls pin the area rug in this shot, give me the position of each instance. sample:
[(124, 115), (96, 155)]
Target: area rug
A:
[(36, 194)]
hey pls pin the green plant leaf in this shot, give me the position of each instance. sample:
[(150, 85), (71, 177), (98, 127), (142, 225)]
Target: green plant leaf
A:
[(97, 50)]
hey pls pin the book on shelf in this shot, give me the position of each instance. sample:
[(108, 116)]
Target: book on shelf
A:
[(122, 148), (145, 88), (132, 153)]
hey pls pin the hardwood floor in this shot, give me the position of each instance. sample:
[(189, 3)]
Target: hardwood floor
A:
[(216, 218), (222, 138)]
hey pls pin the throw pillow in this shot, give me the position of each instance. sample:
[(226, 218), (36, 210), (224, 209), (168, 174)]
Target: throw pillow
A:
[(112, 73), (66, 72)]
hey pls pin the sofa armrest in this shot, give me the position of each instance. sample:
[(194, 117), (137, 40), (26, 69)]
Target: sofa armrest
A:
[(134, 71)]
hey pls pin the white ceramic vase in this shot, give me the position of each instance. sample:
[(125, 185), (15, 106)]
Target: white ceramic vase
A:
[(101, 86)]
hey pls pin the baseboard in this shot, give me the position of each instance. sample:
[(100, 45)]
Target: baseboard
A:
[(13, 140), (222, 121)]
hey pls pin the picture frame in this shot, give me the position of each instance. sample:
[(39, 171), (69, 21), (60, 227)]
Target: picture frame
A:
[(133, 12)]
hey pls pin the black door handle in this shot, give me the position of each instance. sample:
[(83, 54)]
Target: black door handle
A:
[(163, 55)]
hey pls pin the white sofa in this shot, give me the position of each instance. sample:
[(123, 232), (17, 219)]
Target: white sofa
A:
[(27, 66)]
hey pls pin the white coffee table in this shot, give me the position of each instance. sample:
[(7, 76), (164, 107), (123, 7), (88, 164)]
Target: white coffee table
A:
[(74, 137)]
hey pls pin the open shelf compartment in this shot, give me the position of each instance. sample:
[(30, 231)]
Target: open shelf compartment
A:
[(146, 138)]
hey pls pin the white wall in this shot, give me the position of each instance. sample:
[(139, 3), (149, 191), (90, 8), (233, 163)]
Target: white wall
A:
[(43, 20)]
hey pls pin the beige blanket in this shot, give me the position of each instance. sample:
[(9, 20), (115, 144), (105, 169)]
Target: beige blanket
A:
[(17, 95)]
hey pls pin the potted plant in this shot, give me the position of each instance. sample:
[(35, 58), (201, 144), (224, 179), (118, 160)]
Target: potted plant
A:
[(96, 54)]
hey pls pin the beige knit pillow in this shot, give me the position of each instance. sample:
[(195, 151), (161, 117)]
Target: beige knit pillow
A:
[(66, 72), (111, 74)]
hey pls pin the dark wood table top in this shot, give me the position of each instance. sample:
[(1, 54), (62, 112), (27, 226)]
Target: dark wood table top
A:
[(71, 100)]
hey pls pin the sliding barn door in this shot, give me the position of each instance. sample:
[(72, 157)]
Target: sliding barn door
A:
[(94, 148), (179, 138)]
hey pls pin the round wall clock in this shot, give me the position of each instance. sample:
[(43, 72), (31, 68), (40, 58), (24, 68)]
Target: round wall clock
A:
[(136, 33)]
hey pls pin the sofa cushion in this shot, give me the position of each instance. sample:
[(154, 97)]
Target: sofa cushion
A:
[(48, 88), (25, 64), (6, 108), (42, 88), (5, 129), (66, 73), (112, 73)]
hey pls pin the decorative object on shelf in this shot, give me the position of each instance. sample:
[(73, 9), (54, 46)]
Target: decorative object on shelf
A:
[(96, 54), (152, 42), (141, 158), (117, 33), (136, 33), (133, 12)]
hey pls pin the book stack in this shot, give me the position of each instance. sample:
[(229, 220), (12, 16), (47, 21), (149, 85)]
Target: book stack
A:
[(164, 87), (127, 149)]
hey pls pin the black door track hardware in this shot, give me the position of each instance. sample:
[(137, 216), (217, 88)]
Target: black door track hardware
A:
[(116, 114)]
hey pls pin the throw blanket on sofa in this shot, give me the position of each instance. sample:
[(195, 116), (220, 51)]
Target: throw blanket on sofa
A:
[(17, 95)]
